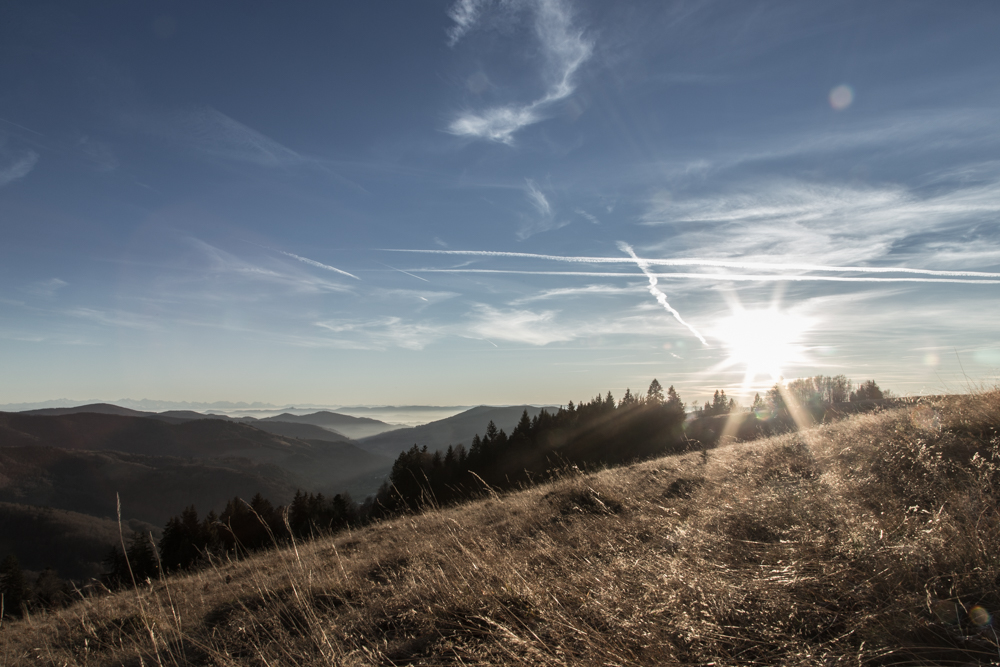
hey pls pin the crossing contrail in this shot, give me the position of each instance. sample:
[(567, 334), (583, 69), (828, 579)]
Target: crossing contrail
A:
[(698, 261), (656, 292), (318, 265), (736, 277)]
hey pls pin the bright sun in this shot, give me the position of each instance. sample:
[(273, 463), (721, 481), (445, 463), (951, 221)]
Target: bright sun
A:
[(764, 341)]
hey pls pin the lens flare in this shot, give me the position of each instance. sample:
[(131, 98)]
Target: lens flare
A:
[(979, 616), (841, 97)]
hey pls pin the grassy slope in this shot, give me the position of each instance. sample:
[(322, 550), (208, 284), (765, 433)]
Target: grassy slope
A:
[(863, 542)]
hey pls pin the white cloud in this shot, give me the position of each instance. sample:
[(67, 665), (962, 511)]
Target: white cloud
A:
[(564, 48), (19, 167), (465, 14)]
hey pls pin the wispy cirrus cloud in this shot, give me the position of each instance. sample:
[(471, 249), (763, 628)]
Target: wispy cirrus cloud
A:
[(544, 219), (46, 288), (381, 333), (216, 136), (834, 223), (16, 166), (98, 153), (538, 199), (465, 14), (564, 49), (519, 326)]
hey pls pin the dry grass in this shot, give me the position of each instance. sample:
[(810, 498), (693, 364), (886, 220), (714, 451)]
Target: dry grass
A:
[(870, 541)]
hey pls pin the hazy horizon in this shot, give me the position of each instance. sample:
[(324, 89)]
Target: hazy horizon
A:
[(464, 202)]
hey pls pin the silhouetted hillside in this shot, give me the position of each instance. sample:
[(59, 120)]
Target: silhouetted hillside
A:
[(302, 431), (74, 544), (206, 438), (151, 487), (458, 429), (96, 408), (77, 462)]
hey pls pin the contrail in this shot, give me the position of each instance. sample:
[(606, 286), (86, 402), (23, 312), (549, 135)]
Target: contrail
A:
[(319, 265), (655, 291), (737, 277), (697, 261), (406, 272)]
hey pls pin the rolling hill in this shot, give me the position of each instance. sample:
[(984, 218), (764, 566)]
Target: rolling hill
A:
[(451, 431), (97, 408), (352, 427)]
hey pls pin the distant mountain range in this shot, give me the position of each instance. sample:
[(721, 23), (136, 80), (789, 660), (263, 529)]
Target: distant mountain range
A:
[(240, 408), (344, 427)]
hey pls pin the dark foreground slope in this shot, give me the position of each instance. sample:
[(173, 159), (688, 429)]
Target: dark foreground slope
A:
[(871, 541)]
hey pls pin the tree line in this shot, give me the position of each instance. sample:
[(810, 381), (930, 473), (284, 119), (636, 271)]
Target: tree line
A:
[(598, 432)]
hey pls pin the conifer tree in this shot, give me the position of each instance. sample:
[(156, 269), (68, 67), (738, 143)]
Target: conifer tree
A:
[(654, 394), (13, 586), (626, 399)]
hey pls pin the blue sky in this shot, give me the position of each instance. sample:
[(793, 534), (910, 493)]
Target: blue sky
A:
[(495, 202)]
